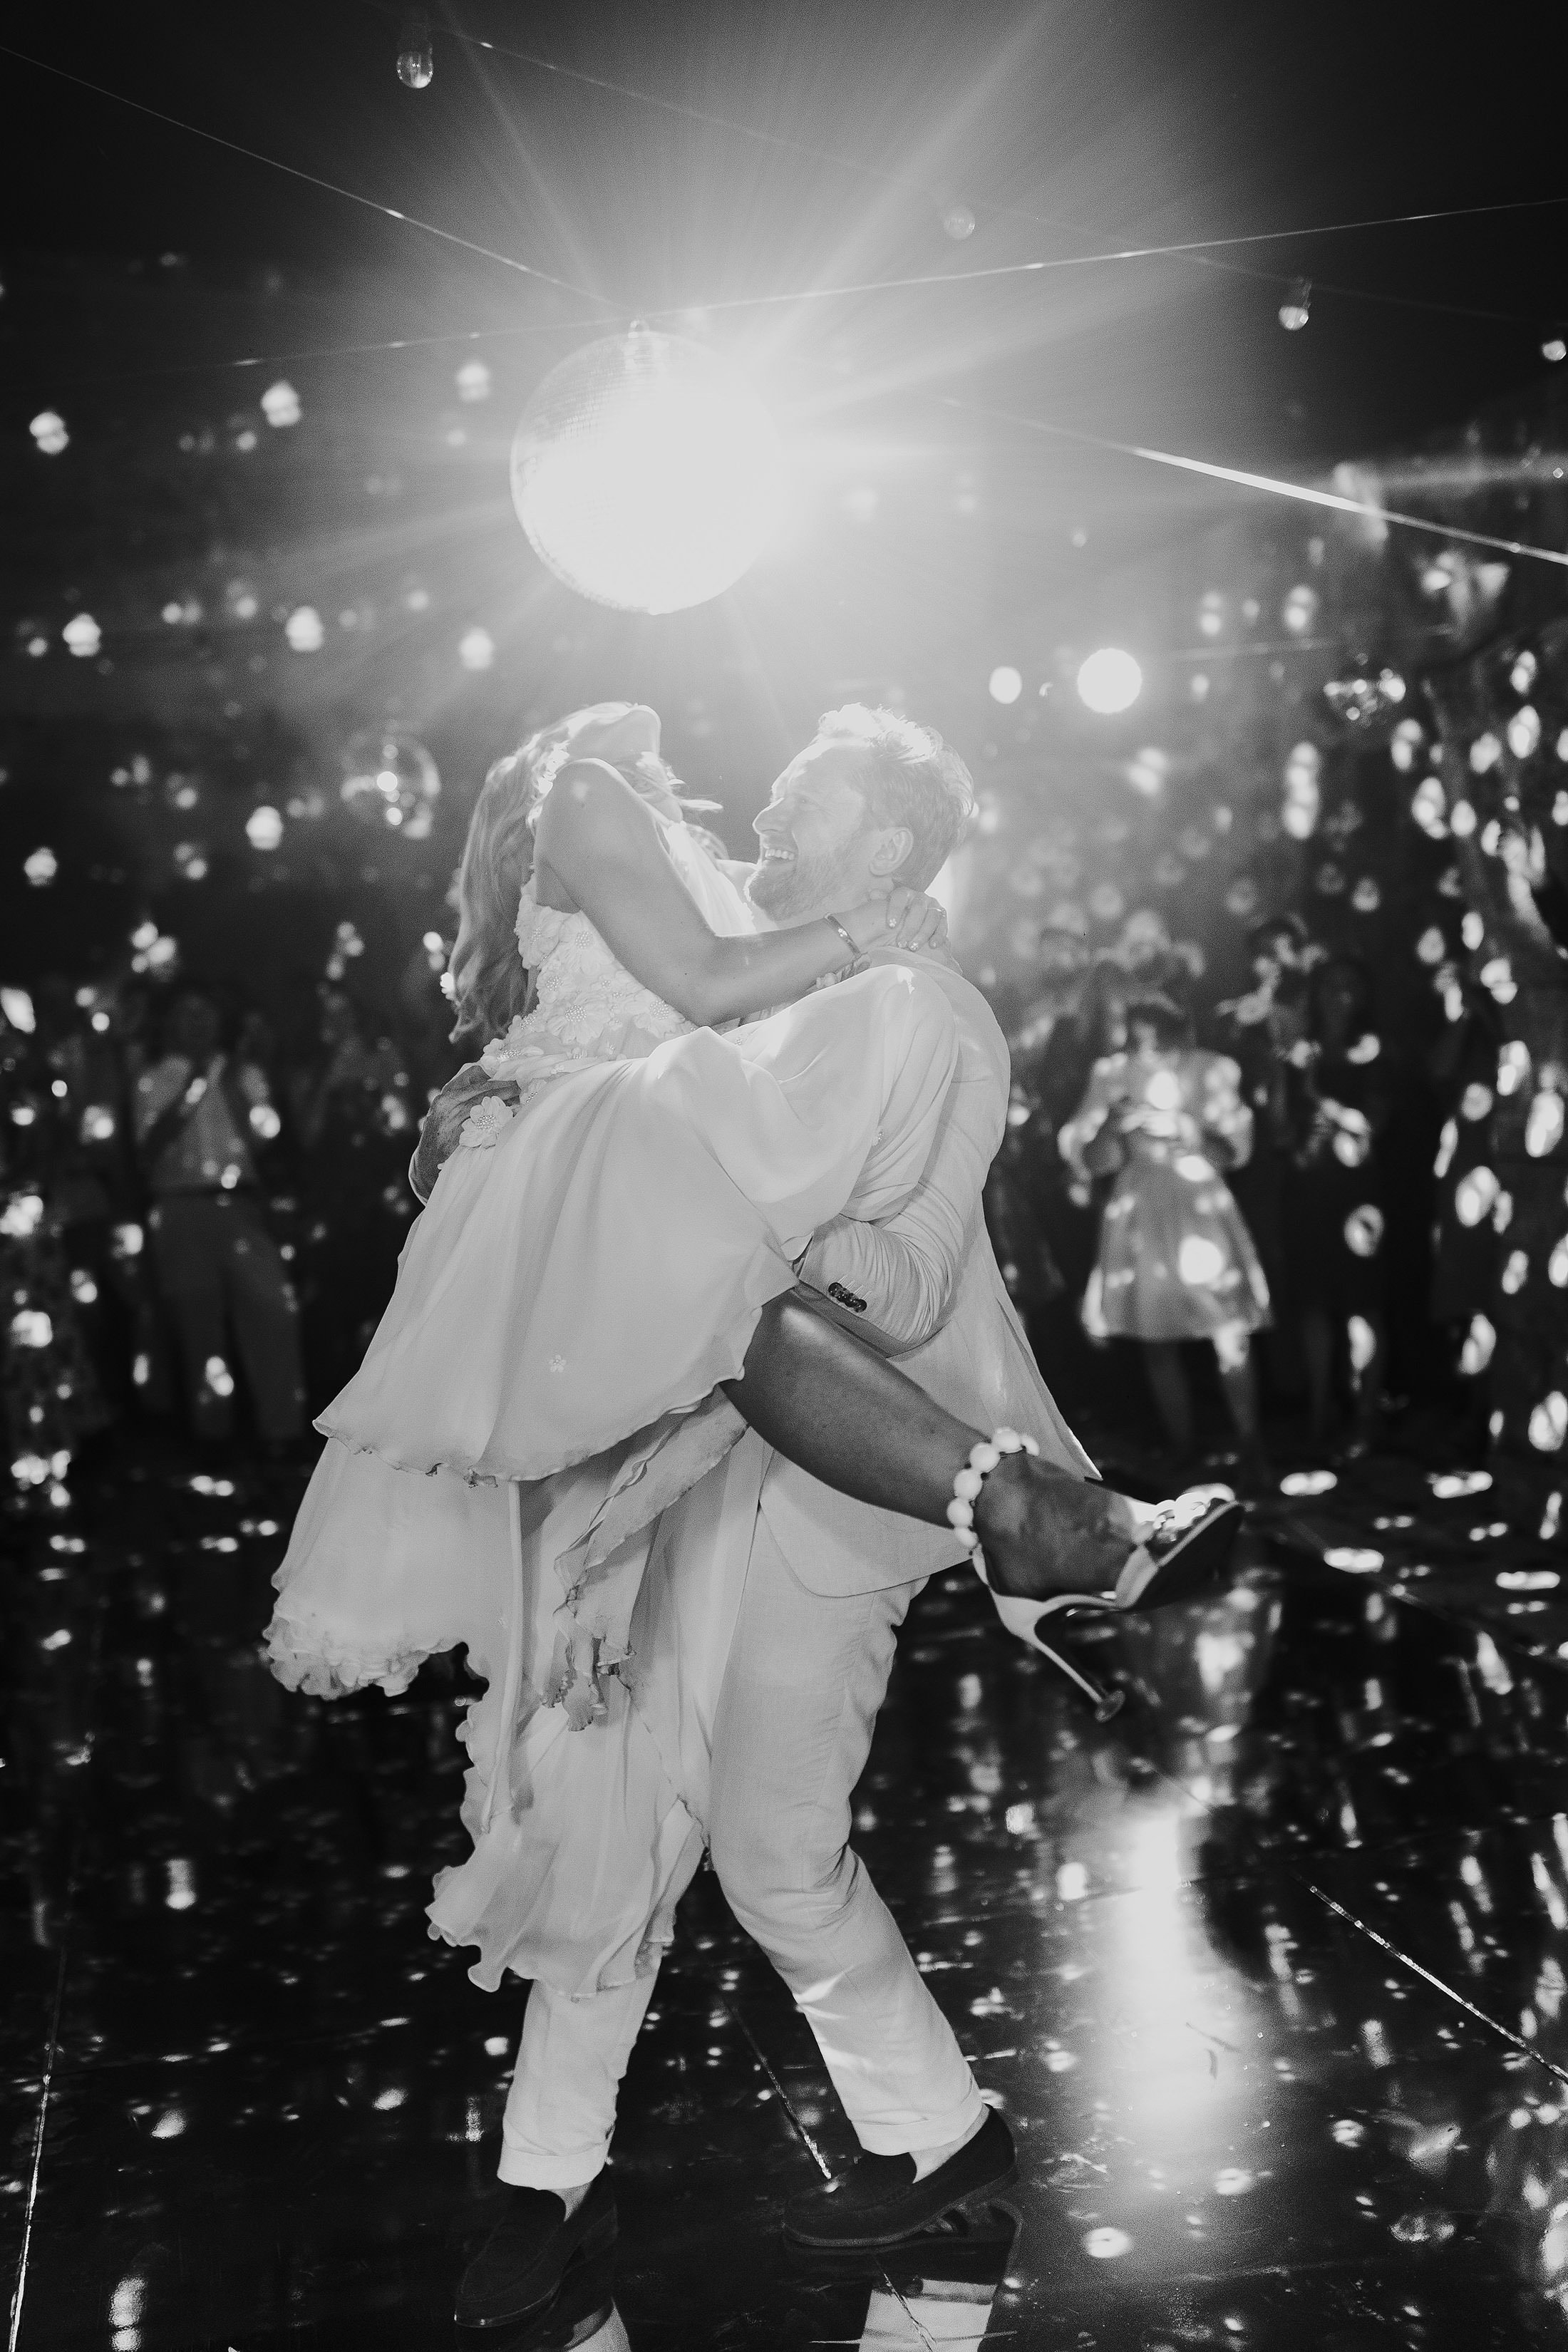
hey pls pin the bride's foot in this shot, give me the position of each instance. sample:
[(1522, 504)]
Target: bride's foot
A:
[(1052, 1545), (1045, 1531), (1047, 1535)]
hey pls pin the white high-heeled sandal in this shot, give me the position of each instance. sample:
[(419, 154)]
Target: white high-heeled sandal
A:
[(1183, 1552)]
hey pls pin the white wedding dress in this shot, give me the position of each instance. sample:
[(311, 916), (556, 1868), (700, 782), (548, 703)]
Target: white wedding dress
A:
[(546, 1380)]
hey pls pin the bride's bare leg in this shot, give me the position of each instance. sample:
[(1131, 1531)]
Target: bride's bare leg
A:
[(849, 1418)]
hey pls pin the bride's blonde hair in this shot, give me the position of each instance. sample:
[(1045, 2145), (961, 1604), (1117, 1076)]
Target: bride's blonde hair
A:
[(489, 981)]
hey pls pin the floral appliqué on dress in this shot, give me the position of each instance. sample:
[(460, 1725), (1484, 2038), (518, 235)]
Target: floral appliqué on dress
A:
[(484, 1124), (584, 997)]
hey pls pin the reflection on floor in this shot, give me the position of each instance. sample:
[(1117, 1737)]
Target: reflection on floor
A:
[(1268, 1974)]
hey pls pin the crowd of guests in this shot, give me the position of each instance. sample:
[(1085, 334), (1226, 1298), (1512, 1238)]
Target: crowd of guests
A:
[(203, 1207), (1160, 1191)]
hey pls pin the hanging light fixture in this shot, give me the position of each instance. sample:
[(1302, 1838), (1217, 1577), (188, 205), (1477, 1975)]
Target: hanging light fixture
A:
[(1555, 346), (1297, 308), (415, 55)]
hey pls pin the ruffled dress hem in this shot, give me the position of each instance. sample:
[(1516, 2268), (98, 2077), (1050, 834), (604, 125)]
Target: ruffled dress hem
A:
[(318, 1666)]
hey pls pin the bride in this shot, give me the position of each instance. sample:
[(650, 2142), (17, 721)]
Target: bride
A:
[(603, 1288)]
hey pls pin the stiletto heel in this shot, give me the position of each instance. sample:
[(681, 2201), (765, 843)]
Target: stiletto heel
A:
[(1023, 1618), (1105, 1702)]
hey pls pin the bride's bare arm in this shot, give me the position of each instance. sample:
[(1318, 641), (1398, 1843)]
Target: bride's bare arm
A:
[(601, 844)]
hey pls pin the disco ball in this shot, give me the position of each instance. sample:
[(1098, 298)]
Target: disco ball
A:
[(390, 779), (646, 473)]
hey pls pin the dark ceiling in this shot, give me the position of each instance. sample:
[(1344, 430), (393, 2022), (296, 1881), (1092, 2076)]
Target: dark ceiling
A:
[(141, 262), (1062, 128)]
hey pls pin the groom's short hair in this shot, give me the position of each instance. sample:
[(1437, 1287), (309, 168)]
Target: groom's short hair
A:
[(911, 778)]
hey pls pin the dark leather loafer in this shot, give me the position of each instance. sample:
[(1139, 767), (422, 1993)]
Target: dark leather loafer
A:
[(878, 2200), (518, 2270)]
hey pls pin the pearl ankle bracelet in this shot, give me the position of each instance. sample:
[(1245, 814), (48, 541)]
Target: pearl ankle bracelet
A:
[(982, 1459)]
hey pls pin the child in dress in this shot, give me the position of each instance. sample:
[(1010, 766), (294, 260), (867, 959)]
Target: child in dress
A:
[(1176, 1261)]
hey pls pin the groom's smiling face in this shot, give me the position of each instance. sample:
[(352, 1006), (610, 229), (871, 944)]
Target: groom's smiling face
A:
[(818, 851)]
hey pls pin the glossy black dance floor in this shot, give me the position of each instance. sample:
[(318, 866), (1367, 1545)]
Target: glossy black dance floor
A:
[(1268, 1975)]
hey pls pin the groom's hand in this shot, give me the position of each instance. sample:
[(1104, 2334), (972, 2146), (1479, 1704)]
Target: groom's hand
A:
[(446, 1119)]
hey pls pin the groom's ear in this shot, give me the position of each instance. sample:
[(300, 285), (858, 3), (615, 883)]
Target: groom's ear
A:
[(890, 850)]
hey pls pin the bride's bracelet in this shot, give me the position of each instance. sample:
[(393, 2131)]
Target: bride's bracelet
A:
[(848, 936), (982, 1459)]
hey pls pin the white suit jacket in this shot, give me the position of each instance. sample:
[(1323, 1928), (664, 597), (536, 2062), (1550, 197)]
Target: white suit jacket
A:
[(926, 1289)]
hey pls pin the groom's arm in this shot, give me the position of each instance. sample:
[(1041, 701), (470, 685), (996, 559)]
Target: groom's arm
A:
[(894, 1283)]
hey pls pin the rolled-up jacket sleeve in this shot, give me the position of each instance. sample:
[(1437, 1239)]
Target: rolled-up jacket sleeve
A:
[(899, 1278)]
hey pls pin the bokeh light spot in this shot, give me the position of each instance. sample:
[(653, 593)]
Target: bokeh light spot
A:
[(280, 404), (1109, 680)]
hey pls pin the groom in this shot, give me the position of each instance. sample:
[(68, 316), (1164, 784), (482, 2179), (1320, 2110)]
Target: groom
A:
[(770, 1610)]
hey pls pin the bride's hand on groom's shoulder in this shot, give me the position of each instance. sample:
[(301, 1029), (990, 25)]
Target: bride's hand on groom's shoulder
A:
[(897, 918)]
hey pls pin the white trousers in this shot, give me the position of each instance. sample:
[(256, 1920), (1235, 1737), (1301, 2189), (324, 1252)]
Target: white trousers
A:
[(801, 1689)]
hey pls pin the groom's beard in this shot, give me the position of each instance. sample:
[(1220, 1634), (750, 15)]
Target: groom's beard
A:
[(796, 892)]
